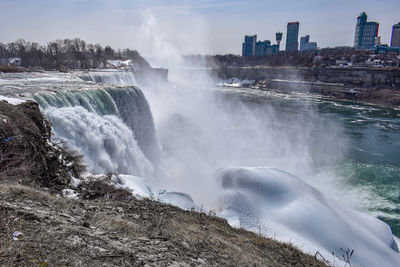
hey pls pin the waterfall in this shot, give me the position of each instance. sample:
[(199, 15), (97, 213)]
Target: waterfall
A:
[(112, 127), (110, 77)]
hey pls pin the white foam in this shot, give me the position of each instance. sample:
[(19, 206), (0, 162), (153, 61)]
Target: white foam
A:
[(285, 207), (108, 145)]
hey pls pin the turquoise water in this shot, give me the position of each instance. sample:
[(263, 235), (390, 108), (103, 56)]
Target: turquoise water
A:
[(360, 165), (372, 163)]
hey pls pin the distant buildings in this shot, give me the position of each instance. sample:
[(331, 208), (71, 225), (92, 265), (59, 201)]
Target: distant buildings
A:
[(365, 38), (261, 47), (292, 37), (278, 37), (366, 33), (395, 36), (249, 45), (272, 50), (305, 43)]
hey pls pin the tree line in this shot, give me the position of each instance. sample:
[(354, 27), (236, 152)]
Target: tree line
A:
[(67, 53)]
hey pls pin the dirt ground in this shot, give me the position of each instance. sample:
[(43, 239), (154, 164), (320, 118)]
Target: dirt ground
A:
[(57, 231)]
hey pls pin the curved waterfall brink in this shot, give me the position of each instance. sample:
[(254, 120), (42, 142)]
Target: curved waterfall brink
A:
[(111, 77), (135, 112), (112, 127)]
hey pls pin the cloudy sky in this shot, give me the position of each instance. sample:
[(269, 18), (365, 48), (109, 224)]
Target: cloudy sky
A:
[(189, 26)]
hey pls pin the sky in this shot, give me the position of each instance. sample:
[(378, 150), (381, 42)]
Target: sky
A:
[(189, 26)]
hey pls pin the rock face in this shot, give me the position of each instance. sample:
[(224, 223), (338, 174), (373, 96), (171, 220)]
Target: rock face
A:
[(360, 77)]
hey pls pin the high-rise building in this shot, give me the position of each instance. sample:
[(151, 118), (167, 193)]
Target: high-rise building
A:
[(261, 47), (305, 43), (278, 37), (378, 41), (395, 36), (366, 32), (249, 45), (272, 50), (292, 36)]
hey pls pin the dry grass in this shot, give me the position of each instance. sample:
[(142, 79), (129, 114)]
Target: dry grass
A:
[(115, 223), (102, 232), (11, 68), (95, 187)]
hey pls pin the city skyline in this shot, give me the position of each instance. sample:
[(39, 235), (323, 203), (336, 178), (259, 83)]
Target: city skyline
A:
[(189, 27)]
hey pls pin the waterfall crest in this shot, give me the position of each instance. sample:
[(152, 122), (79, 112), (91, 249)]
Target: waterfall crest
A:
[(110, 77)]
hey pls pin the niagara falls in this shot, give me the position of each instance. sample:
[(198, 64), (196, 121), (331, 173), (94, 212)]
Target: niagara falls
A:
[(169, 135)]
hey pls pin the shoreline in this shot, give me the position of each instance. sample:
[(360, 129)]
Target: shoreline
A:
[(365, 96), (378, 86)]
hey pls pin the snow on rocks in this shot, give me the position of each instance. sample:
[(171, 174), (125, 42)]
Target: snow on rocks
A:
[(235, 82), (70, 193), (181, 200), (136, 184), (12, 101)]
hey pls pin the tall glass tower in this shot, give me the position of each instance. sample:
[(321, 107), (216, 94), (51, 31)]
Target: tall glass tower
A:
[(292, 36), (395, 36), (249, 45), (366, 32)]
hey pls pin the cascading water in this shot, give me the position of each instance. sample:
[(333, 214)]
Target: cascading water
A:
[(110, 77), (113, 128)]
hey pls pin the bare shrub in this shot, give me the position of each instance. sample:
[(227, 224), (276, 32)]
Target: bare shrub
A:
[(103, 187)]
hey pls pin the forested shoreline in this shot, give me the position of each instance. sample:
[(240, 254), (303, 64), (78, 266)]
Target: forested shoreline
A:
[(67, 53)]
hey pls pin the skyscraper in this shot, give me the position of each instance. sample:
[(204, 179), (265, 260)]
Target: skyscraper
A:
[(292, 36), (366, 32), (278, 37), (305, 43), (261, 48), (395, 36), (249, 45)]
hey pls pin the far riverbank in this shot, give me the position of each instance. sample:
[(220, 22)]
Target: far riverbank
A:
[(379, 86)]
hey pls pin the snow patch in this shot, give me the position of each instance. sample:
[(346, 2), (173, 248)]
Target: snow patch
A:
[(12, 101), (286, 208), (74, 182), (70, 193), (136, 184), (235, 82), (181, 200)]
